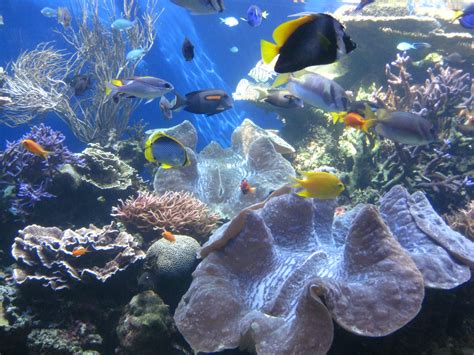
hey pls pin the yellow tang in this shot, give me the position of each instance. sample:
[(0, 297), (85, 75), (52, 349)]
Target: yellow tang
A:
[(166, 151), (318, 184)]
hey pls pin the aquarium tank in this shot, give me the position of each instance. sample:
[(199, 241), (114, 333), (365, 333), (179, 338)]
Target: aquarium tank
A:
[(266, 177)]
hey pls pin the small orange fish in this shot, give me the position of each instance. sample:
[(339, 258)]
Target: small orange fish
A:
[(79, 251), (35, 148), (340, 211), (246, 188), (356, 121), (168, 236)]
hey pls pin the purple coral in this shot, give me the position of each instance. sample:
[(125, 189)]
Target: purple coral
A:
[(26, 176)]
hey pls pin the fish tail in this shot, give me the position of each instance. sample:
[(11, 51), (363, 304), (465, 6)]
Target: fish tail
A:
[(112, 87), (368, 113), (280, 80), (457, 15), (265, 14), (178, 102), (222, 20), (297, 182), (45, 154), (338, 117), (368, 124), (252, 190), (269, 51)]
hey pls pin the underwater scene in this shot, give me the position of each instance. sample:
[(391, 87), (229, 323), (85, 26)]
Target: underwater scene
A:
[(270, 177)]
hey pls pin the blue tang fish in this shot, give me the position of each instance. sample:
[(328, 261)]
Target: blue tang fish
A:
[(255, 16), (466, 17), (404, 46)]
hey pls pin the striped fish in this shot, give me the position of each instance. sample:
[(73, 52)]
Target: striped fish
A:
[(262, 72)]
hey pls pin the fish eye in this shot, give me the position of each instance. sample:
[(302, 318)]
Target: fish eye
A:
[(341, 185), (168, 86)]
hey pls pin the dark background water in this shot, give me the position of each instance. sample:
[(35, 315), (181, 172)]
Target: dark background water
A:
[(213, 67)]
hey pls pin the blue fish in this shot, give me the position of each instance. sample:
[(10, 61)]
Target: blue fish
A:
[(135, 54), (122, 24), (466, 17), (405, 46), (255, 16)]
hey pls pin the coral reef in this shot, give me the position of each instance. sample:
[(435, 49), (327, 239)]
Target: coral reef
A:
[(306, 267), (25, 178), (463, 221), (82, 339), (215, 174), (47, 256), (146, 326), (39, 80), (151, 214)]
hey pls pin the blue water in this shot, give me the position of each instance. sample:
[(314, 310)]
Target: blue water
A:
[(214, 65)]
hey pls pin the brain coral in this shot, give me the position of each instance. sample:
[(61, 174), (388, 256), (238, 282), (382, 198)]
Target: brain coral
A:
[(273, 277), (44, 255)]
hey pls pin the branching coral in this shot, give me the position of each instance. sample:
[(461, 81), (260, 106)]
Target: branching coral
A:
[(25, 177), (178, 212), (463, 221), (38, 81), (46, 255)]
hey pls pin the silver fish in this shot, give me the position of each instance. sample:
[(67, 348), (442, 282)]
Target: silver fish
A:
[(318, 91), (167, 106), (143, 87), (262, 72)]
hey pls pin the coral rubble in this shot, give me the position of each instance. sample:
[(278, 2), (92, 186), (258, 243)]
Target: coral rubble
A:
[(215, 174), (47, 255), (273, 277)]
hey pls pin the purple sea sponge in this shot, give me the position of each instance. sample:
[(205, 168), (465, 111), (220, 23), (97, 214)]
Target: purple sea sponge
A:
[(27, 176)]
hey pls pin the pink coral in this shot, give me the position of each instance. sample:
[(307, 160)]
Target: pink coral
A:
[(178, 212)]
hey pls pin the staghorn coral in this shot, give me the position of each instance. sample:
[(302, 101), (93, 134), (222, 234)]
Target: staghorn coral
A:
[(25, 178), (178, 212), (215, 173), (44, 255), (463, 221), (272, 278)]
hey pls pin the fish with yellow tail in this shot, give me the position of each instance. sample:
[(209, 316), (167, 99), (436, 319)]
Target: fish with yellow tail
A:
[(319, 184), (166, 151), (359, 116), (311, 39)]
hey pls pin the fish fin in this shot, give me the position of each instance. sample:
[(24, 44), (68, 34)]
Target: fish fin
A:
[(367, 124), (280, 80), (148, 146), (368, 113), (286, 29), (297, 181), (338, 117), (304, 193), (326, 43), (148, 101), (382, 114), (243, 19), (222, 20), (265, 14), (457, 15), (117, 82), (45, 154), (269, 51), (180, 102), (165, 166)]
